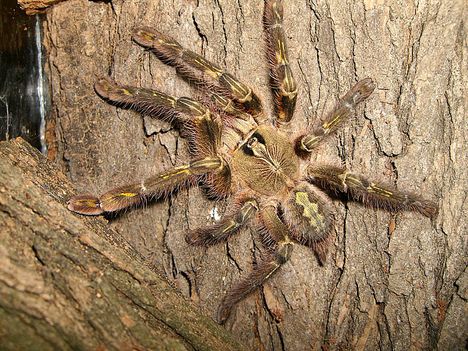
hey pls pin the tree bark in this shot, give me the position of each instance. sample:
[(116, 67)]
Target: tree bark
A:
[(69, 283), (391, 282), (32, 7)]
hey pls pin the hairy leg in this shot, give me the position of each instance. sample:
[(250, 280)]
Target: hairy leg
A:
[(206, 74), (344, 109), (133, 194), (282, 80), (279, 254), (369, 192), (228, 226), (206, 128)]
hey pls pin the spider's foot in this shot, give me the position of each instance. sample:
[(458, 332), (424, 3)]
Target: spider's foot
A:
[(86, 205), (223, 314), (361, 91), (426, 208)]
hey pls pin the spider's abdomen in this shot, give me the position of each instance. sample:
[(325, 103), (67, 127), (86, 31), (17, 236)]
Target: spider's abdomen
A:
[(266, 162), (309, 213)]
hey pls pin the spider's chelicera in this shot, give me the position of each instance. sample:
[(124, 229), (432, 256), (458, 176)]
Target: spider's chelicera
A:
[(241, 153)]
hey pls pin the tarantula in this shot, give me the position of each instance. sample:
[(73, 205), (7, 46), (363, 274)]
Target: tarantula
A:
[(237, 151)]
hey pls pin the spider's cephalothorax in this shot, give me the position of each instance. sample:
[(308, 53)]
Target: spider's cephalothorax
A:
[(239, 152)]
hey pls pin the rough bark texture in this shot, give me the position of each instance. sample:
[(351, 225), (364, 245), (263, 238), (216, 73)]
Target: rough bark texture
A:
[(391, 282), (32, 7), (69, 283)]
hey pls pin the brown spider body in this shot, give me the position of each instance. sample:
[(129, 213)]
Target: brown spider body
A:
[(239, 152), (267, 163)]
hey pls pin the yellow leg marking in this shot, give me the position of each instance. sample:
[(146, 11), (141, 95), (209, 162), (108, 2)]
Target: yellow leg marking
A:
[(376, 189), (277, 14), (127, 194), (343, 178), (247, 97), (271, 273), (232, 225), (281, 53), (241, 92), (177, 171), (209, 69), (329, 125), (126, 92), (149, 37), (310, 210), (195, 107), (212, 164), (87, 203)]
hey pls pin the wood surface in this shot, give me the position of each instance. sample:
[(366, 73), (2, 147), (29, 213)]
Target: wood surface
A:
[(72, 283), (392, 282)]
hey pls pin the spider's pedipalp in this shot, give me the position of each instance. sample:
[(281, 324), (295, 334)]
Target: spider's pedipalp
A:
[(229, 225), (133, 194), (189, 63), (343, 110), (370, 193), (282, 80)]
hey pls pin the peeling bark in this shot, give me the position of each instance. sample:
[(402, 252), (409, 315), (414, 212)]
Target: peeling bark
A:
[(391, 282)]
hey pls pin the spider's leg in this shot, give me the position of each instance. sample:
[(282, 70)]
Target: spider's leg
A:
[(149, 101), (369, 192), (199, 69), (310, 216), (226, 227), (133, 194), (282, 80), (204, 128), (279, 254), (229, 106), (340, 113)]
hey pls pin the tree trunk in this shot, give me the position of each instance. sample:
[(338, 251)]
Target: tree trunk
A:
[(391, 282), (73, 284)]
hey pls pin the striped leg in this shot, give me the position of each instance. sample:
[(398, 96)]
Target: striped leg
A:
[(341, 113), (203, 129), (207, 129), (368, 192), (228, 226), (148, 101), (282, 80), (280, 254), (196, 67), (133, 194)]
